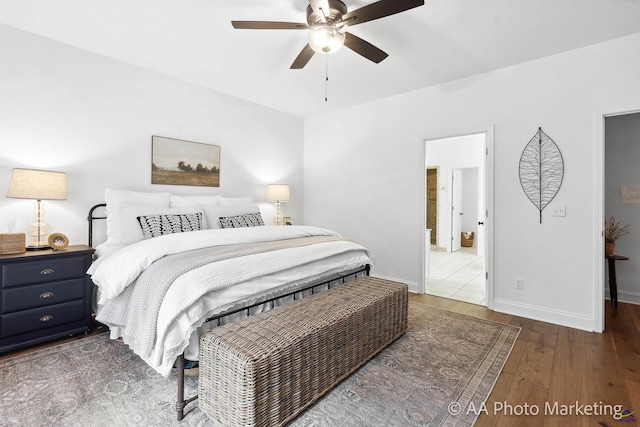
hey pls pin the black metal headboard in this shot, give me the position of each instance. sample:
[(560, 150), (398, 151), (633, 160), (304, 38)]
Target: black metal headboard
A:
[(92, 217)]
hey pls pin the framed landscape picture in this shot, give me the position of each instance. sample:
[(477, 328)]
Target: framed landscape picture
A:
[(178, 162)]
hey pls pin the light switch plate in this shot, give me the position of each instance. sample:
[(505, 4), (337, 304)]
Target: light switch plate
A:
[(559, 210)]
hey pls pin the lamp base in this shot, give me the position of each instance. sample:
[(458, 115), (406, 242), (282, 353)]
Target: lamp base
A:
[(39, 231), (277, 218), (37, 248)]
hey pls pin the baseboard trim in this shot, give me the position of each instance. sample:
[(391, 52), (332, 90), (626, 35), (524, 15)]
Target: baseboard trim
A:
[(625, 296), (556, 317), (413, 286), (562, 318)]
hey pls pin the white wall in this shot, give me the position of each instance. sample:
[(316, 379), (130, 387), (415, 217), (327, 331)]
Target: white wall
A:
[(622, 157), (66, 109), (362, 173)]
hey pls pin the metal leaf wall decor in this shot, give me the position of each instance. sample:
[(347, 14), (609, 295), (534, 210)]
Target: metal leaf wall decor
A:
[(541, 170)]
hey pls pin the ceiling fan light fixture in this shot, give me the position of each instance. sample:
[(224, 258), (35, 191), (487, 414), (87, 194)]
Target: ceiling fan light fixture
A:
[(327, 22), (325, 39)]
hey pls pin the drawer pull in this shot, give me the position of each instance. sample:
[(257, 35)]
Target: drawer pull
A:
[(47, 271), (46, 318), (46, 295)]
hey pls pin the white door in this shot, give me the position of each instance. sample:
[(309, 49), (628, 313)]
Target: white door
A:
[(456, 209)]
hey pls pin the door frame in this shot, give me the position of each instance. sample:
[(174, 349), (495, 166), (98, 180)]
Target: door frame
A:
[(488, 131), (455, 243), (598, 212)]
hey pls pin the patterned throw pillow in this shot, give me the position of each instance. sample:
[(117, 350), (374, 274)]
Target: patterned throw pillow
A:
[(246, 220), (159, 225)]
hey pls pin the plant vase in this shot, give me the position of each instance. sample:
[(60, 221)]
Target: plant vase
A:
[(609, 247)]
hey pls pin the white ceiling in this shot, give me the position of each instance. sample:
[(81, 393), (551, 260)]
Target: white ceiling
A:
[(193, 40)]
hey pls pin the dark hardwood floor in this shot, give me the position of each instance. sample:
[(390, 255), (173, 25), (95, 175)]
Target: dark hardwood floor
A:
[(549, 364), (96, 328), (580, 371)]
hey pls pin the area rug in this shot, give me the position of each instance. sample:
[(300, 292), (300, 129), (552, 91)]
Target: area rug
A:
[(444, 363)]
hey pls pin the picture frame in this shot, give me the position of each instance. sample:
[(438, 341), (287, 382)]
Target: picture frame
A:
[(58, 241), (180, 162), (286, 220)]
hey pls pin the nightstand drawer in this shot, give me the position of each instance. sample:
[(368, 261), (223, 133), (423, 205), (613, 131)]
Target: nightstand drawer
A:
[(41, 318), (34, 296), (24, 273)]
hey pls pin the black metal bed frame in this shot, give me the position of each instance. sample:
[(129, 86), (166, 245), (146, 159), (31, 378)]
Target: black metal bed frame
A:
[(181, 402), (91, 218)]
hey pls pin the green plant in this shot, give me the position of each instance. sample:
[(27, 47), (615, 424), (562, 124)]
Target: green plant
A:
[(613, 230)]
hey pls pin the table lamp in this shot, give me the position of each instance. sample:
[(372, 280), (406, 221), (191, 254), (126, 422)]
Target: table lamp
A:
[(39, 185), (277, 193)]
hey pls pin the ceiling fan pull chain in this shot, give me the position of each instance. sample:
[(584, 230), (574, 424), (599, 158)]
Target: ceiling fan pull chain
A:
[(326, 77)]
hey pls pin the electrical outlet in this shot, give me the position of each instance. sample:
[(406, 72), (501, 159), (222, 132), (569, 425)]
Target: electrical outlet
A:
[(519, 284)]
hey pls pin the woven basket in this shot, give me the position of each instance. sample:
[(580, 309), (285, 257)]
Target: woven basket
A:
[(266, 369), (12, 243), (466, 239)]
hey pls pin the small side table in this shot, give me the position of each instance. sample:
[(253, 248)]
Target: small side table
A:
[(613, 284)]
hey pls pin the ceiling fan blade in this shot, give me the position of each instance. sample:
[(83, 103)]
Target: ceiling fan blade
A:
[(268, 25), (316, 5), (379, 9), (303, 57), (364, 48)]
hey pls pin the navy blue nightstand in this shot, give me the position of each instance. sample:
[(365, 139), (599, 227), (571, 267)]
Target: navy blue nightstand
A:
[(44, 295)]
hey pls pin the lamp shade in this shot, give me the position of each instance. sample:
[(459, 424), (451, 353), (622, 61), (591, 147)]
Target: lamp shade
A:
[(277, 193), (38, 185)]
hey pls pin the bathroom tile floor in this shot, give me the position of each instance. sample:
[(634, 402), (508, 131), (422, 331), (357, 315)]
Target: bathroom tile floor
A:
[(457, 275)]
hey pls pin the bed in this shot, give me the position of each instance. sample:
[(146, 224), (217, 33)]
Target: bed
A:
[(173, 267)]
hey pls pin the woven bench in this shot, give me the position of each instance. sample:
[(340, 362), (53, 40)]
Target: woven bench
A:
[(266, 369)]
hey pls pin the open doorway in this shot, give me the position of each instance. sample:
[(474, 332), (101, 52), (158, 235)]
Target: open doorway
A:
[(615, 169), (455, 217), (622, 199)]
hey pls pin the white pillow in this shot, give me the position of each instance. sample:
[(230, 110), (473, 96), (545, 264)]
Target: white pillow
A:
[(213, 213), (236, 201), (210, 200), (116, 198), (130, 229)]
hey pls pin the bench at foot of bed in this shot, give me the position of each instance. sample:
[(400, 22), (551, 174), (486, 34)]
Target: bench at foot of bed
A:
[(266, 369)]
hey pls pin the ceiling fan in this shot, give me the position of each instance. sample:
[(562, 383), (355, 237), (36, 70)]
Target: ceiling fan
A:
[(327, 21)]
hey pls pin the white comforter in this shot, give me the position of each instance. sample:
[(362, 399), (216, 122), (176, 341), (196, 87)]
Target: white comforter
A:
[(207, 290)]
